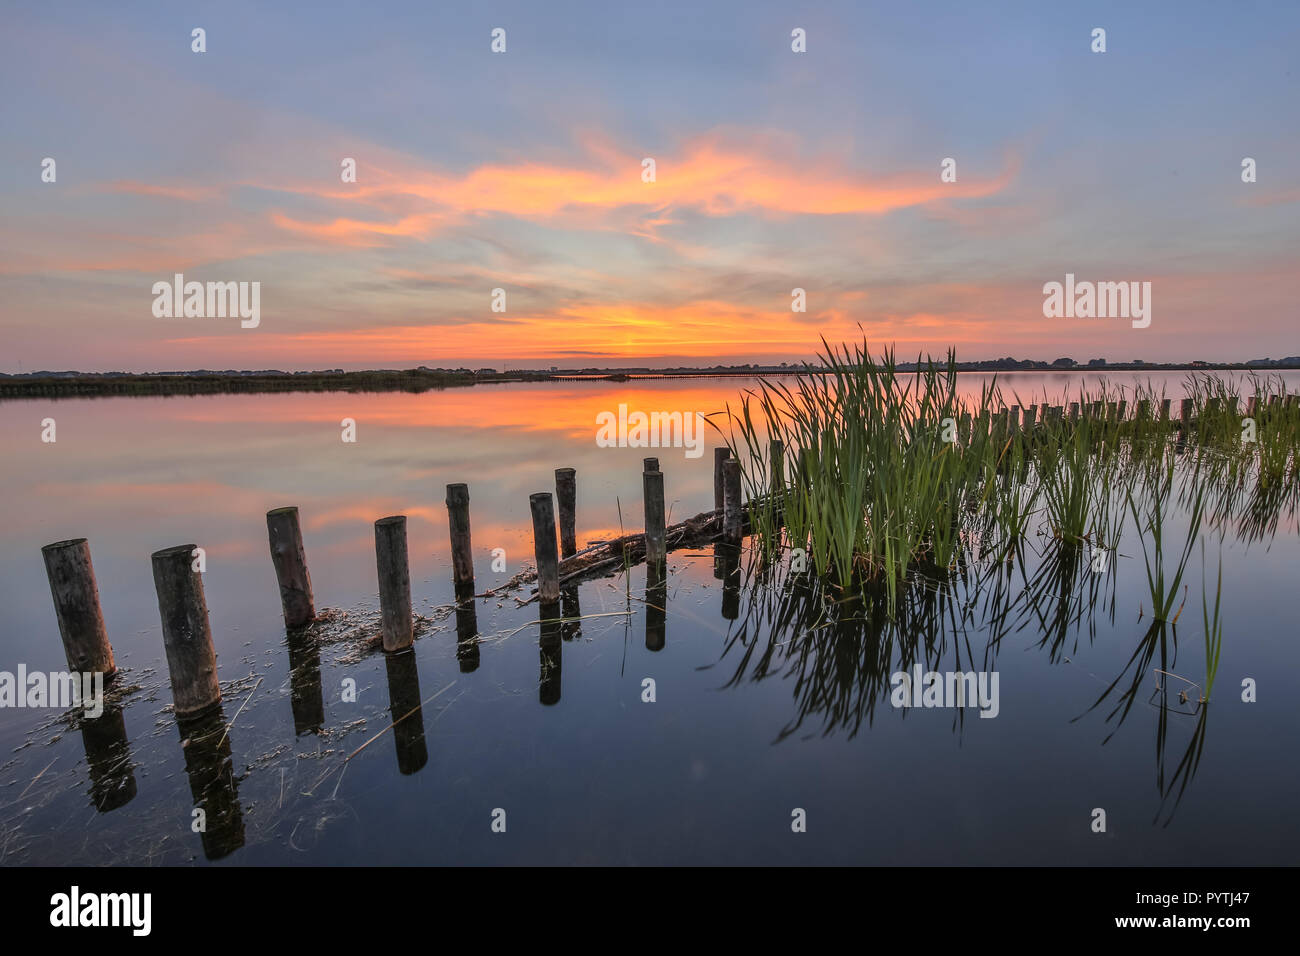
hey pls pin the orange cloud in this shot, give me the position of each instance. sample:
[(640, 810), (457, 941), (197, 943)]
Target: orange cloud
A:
[(711, 176)]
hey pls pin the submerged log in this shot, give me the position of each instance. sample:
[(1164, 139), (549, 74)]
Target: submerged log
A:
[(602, 557)]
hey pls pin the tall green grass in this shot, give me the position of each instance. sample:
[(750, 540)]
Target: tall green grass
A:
[(886, 472)]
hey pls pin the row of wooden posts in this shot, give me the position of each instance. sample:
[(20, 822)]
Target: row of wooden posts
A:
[(187, 634)]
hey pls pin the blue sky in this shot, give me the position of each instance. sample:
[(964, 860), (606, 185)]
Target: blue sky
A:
[(481, 171)]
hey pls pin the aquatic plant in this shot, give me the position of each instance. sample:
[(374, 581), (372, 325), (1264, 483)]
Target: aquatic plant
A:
[(878, 473)]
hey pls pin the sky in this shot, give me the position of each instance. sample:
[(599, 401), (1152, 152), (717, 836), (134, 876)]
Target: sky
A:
[(522, 171)]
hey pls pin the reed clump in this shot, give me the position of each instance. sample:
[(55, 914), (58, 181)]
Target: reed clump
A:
[(881, 473)]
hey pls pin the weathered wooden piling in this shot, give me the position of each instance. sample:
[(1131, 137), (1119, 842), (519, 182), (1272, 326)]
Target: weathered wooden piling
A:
[(776, 461), (1014, 420), (186, 633), (1164, 409), (1123, 409), (548, 559), (720, 455), (650, 464), (1252, 403), (76, 605), (732, 515), (1144, 410), (395, 620), (566, 497), (1074, 411), (1185, 413), (652, 483), (462, 551), (290, 560)]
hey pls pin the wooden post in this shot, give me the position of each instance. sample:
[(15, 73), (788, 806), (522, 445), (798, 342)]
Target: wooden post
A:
[(395, 621), (566, 496), (1074, 411), (1164, 409), (187, 636), (1186, 413), (76, 605), (1144, 409), (1251, 402), (720, 455), (732, 516), (462, 552), (650, 464), (1014, 420), (776, 458), (1112, 411), (548, 559), (1030, 414), (290, 560), (653, 489)]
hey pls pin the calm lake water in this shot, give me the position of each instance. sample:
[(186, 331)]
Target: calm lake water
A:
[(750, 721)]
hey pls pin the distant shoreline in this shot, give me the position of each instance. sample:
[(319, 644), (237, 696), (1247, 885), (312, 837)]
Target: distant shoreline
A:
[(203, 382)]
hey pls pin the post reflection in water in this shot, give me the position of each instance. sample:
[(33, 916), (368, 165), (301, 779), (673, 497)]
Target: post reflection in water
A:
[(407, 714), (467, 645), (550, 649), (656, 607), (210, 768), (571, 628), (726, 566), (108, 758), (306, 696), (840, 647)]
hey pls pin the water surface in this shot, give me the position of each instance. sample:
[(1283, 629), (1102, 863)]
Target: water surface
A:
[(750, 721)]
